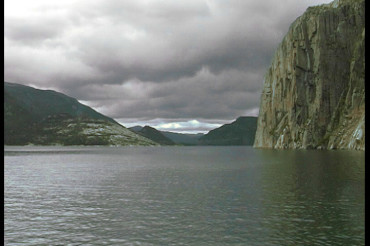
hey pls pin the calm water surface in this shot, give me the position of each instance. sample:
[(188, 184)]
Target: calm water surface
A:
[(182, 196)]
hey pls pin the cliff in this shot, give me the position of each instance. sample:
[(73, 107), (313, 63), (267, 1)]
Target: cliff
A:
[(313, 94)]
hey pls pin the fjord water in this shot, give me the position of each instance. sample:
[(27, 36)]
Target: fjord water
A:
[(182, 196)]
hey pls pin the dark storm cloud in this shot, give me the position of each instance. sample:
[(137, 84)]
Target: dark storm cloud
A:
[(149, 59), (204, 96), (155, 48)]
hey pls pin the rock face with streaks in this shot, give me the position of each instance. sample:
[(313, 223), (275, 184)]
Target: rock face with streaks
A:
[(314, 95)]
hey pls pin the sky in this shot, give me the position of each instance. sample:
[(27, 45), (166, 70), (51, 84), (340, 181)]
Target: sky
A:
[(177, 65)]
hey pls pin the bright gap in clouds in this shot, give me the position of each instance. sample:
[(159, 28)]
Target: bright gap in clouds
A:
[(189, 127), (181, 66)]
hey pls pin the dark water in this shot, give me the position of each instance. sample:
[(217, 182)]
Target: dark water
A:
[(183, 196)]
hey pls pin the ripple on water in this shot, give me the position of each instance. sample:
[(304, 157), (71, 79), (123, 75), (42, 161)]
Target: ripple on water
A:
[(182, 196)]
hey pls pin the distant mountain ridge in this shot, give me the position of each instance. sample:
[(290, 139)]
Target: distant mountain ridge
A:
[(175, 137), (153, 134), (136, 128), (183, 138), (240, 132), (46, 117)]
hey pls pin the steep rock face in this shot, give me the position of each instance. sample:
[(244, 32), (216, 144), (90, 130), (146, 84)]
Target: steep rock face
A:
[(313, 95)]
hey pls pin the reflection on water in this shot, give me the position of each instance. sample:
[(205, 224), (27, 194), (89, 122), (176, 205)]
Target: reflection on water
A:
[(182, 196), (316, 196)]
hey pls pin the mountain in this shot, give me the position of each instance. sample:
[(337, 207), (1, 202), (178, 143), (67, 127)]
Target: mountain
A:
[(42, 103), (176, 138), (46, 117), (136, 128), (153, 134), (314, 90), (239, 132), (183, 138)]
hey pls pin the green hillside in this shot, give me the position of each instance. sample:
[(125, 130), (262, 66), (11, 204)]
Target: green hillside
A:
[(239, 132), (45, 117), (153, 134)]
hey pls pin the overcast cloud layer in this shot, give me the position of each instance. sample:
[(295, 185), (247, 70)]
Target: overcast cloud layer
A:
[(176, 65)]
